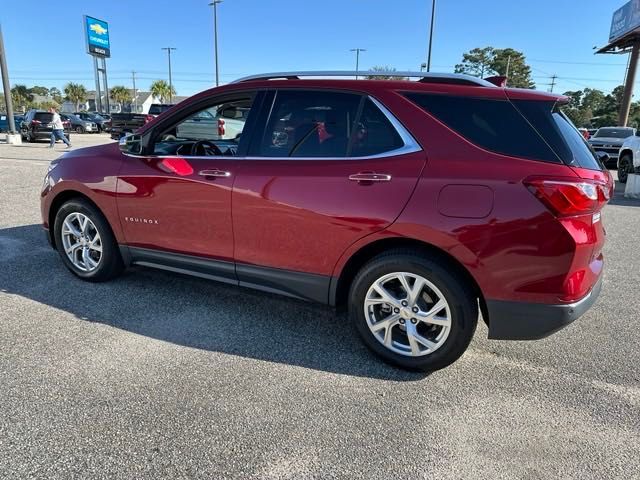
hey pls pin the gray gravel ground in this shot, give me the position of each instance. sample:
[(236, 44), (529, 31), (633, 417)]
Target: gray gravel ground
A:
[(157, 375)]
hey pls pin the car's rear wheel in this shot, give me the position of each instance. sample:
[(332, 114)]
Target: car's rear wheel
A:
[(413, 311), (79, 129), (625, 167), (30, 137), (86, 243)]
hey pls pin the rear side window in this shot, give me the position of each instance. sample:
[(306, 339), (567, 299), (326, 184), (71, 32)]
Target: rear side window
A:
[(310, 124), (373, 133), (43, 117), (495, 125)]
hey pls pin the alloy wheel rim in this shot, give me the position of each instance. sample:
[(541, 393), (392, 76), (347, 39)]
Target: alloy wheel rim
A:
[(407, 314), (81, 242)]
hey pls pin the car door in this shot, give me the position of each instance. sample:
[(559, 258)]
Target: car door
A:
[(177, 200), (327, 169)]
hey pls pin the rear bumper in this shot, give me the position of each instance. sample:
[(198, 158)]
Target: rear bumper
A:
[(531, 321)]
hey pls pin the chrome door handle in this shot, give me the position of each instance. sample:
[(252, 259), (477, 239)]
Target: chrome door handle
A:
[(370, 177), (214, 172)]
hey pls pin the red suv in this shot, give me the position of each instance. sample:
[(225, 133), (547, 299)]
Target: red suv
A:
[(414, 204)]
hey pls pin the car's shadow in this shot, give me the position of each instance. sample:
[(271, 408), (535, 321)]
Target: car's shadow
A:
[(191, 312)]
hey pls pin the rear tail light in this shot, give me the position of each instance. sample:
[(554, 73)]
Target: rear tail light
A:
[(148, 118), (35, 122), (569, 197), (221, 129)]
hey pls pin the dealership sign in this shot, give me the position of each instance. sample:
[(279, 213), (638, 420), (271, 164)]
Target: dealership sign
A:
[(97, 37)]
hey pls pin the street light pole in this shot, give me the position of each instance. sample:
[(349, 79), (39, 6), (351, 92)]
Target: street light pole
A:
[(214, 4), (433, 16), (168, 49), (135, 93), (7, 88), (357, 50)]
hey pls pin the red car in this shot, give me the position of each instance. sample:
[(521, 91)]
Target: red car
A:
[(414, 204)]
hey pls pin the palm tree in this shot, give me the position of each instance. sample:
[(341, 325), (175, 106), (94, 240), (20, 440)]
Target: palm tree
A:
[(76, 93), (162, 90), (21, 96), (121, 94)]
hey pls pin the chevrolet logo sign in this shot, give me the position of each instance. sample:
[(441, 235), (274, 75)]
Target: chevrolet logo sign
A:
[(99, 29)]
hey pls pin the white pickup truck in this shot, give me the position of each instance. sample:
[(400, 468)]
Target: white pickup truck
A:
[(225, 122), (629, 158)]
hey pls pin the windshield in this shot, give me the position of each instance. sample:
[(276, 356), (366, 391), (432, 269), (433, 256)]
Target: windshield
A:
[(614, 132)]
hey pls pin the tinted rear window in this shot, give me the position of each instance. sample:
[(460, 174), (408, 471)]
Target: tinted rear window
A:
[(494, 125), (158, 109), (43, 117)]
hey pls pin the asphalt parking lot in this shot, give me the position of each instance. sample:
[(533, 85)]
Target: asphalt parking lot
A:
[(158, 375)]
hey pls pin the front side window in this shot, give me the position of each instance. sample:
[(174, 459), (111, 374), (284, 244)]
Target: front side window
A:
[(212, 131)]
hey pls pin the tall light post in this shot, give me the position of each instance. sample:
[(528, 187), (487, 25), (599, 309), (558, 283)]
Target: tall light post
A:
[(433, 16), (168, 49), (357, 50), (214, 4)]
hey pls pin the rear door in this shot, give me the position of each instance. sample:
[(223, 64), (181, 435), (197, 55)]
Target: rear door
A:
[(326, 169)]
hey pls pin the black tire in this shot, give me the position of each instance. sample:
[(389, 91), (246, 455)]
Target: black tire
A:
[(625, 167), (30, 137), (110, 264), (458, 294), (79, 129)]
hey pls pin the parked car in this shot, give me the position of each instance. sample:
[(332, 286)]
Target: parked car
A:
[(98, 120), (4, 122), (123, 123), (79, 125), (334, 201), (609, 140), (629, 158), (218, 123), (36, 125)]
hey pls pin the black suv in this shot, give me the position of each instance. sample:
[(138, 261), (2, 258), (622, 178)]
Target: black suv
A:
[(37, 126)]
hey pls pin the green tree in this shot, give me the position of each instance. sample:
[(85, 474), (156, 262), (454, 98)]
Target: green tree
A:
[(477, 62), (56, 95), (384, 69), (518, 74), (21, 97), (121, 94), (76, 93), (162, 90), (593, 99), (43, 91)]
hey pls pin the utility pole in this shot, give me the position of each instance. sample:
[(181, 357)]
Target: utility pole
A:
[(7, 93), (135, 92), (623, 116), (357, 50), (553, 82), (433, 16), (168, 49), (214, 4)]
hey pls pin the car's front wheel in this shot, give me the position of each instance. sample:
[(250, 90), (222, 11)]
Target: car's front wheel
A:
[(625, 167), (79, 129), (412, 310), (86, 243)]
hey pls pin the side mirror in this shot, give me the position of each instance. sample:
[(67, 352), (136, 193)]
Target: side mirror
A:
[(603, 156), (131, 144)]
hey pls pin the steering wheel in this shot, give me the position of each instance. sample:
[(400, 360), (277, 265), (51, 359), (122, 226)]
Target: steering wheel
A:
[(205, 147)]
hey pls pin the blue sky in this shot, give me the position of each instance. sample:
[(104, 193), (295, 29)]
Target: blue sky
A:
[(45, 43)]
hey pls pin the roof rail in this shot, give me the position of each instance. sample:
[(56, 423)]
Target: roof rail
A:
[(451, 78)]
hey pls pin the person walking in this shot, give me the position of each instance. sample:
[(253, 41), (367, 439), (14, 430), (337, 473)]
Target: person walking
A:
[(57, 133)]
